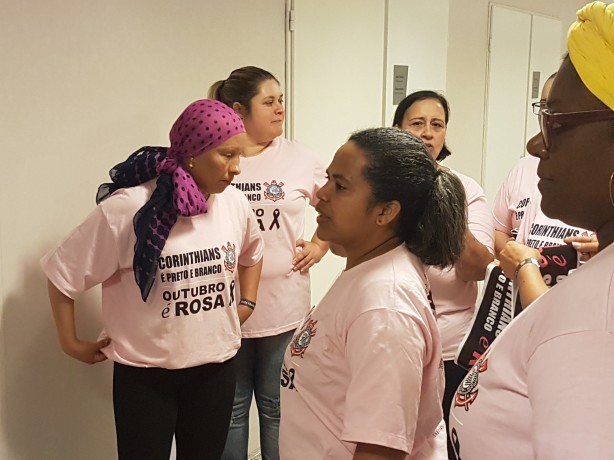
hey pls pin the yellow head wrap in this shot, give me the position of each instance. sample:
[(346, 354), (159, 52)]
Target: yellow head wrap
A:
[(591, 49)]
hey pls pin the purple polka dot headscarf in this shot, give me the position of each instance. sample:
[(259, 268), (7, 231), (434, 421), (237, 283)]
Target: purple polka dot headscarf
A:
[(203, 126)]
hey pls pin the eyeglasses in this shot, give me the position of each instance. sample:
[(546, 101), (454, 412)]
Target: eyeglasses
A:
[(551, 122), (538, 106)]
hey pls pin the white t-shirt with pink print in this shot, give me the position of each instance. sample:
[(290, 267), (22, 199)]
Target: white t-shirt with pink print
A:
[(365, 367), (514, 196), (454, 298), (190, 316), (543, 390), (278, 183)]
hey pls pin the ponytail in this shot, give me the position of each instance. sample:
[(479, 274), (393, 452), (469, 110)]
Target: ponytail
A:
[(241, 86), (439, 235), (214, 91), (433, 218)]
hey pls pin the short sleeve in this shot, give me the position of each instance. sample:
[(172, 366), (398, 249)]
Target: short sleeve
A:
[(253, 242), (524, 229), (386, 352), (319, 179), (479, 214), (500, 211), (571, 396), (87, 257)]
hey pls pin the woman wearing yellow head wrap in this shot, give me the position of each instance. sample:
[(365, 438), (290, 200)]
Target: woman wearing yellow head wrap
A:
[(591, 49), (545, 387)]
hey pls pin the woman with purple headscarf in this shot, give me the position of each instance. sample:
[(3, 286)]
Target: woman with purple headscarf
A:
[(166, 242)]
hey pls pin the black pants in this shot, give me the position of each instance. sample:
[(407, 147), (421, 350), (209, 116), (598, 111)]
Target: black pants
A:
[(152, 404), (454, 376)]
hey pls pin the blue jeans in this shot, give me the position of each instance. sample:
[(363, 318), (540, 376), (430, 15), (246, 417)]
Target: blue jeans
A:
[(258, 365)]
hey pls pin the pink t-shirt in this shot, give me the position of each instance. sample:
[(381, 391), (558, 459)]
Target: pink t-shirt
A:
[(365, 367), (538, 230), (454, 298), (190, 315), (278, 183), (515, 195), (543, 390)]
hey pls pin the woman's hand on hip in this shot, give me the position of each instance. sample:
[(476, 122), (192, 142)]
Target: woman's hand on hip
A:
[(87, 352), (307, 255)]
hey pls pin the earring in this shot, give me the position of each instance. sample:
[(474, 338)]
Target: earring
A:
[(610, 190), (191, 162)]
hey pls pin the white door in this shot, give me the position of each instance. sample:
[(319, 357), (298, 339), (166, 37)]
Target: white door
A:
[(524, 49), (337, 74), (410, 42), (546, 57), (340, 76)]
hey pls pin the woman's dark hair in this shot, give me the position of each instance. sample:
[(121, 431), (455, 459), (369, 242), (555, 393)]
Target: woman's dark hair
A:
[(241, 86), (433, 218), (421, 96)]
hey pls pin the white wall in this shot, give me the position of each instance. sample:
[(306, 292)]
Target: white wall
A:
[(84, 84), (466, 71)]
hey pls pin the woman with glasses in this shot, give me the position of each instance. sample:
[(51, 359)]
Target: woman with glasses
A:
[(521, 227), (514, 195), (425, 114), (544, 388)]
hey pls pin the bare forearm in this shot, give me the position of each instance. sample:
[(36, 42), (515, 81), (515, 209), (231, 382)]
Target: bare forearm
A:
[(501, 239), (249, 278), (471, 266), (244, 313), (530, 284), (63, 308), (528, 277)]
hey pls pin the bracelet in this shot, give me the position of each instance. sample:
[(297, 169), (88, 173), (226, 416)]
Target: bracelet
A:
[(523, 262), (247, 303)]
